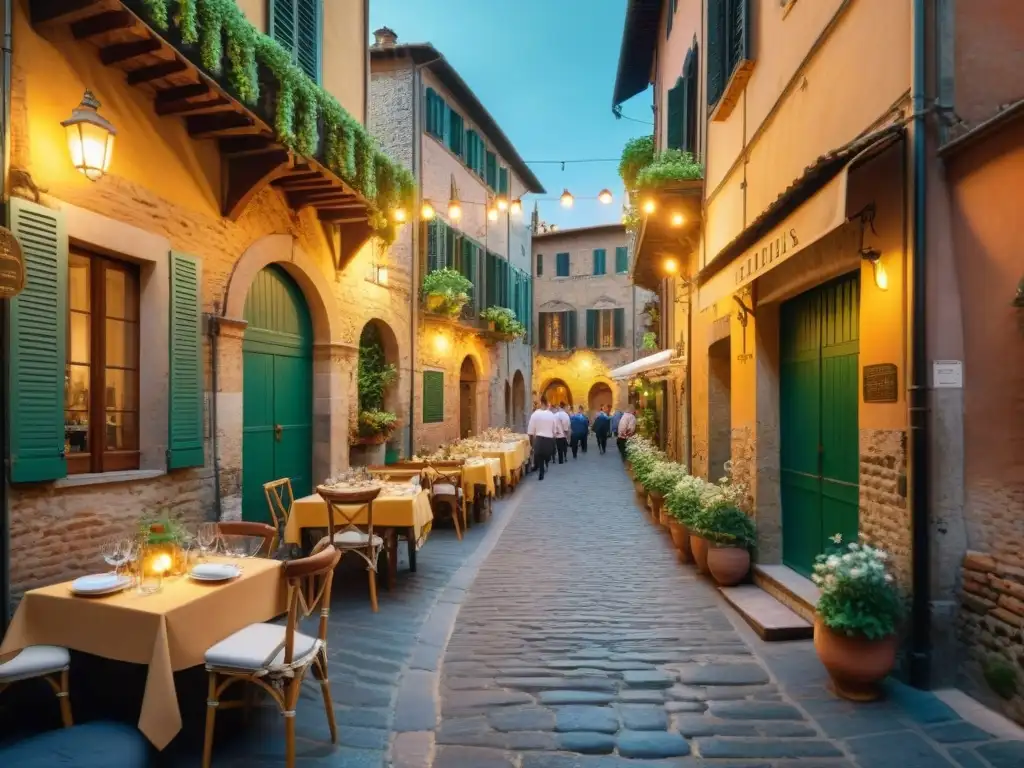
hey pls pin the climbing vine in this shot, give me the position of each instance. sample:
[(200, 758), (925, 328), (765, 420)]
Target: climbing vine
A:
[(222, 33)]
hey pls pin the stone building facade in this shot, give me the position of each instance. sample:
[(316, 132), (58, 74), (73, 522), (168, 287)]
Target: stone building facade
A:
[(485, 382), (594, 287)]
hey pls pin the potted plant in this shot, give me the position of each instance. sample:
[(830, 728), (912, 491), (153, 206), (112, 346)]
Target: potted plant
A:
[(375, 375), (730, 534), (683, 503), (502, 322), (661, 479), (446, 291), (163, 535), (374, 427), (857, 616)]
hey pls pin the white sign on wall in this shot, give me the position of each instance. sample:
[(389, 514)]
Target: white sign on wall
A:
[(947, 374)]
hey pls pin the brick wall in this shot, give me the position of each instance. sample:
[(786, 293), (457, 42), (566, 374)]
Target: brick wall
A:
[(884, 513)]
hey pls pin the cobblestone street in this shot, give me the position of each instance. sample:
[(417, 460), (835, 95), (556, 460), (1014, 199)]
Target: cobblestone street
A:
[(583, 643)]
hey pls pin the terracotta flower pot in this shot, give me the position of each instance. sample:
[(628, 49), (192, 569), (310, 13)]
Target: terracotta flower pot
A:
[(680, 536), (856, 665), (699, 549), (728, 565), (640, 490), (664, 518)]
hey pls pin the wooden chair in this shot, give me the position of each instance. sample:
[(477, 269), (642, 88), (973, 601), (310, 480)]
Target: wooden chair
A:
[(352, 538), (446, 490), (280, 497), (275, 657), (50, 662), (240, 528)]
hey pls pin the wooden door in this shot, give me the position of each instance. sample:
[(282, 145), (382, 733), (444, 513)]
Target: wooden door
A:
[(818, 406), (466, 408), (277, 399)]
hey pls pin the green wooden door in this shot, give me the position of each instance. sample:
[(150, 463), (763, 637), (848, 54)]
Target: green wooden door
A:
[(819, 345), (277, 400)]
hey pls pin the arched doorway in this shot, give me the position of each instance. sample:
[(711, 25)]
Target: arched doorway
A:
[(518, 401), (467, 398), (557, 392), (277, 390), (508, 404), (600, 396), (377, 385)]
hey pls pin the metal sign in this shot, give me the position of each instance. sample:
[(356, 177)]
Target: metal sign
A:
[(881, 383), (947, 374), (12, 265)]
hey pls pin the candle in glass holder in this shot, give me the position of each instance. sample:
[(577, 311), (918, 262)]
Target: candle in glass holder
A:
[(152, 576)]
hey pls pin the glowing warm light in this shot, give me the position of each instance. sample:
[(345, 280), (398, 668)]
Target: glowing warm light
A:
[(516, 209), (492, 213), (605, 196), (585, 362), (454, 210), (678, 219), (382, 275), (502, 203), (649, 206), (399, 215), (671, 266), (162, 563), (881, 276), (90, 138), (441, 343), (427, 211), (567, 198)]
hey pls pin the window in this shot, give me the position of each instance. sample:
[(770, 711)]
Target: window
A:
[(297, 25), (599, 254), (557, 331), (729, 53), (606, 328), (562, 265), (492, 170), (540, 264), (621, 260), (503, 181), (438, 116), (681, 123), (101, 381), (475, 152), (433, 397), (456, 133)]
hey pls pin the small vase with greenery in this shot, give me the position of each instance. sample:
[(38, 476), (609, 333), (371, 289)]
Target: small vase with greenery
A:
[(164, 533), (858, 615), (503, 321), (446, 291)]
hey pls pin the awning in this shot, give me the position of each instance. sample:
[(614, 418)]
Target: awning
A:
[(644, 364), (812, 207)]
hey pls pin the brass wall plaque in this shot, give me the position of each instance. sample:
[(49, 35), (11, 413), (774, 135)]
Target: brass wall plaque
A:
[(12, 265), (881, 383)]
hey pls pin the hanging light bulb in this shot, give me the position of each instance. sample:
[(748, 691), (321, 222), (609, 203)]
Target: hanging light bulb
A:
[(605, 196), (516, 208), (454, 209), (502, 203), (649, 206), (670, 265), (492, 213), (427, 211), (399, 215), (567, 198), (678, 219)]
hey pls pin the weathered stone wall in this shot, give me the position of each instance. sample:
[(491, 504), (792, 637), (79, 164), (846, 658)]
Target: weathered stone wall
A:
[(991, 629), (884, 513)]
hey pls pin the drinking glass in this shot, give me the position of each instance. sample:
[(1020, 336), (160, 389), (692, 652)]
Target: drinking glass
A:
[(113, 550), (233, 545), (206, 537)]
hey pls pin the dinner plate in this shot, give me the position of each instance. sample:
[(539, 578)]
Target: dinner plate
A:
[(214, 572), (100, 584)]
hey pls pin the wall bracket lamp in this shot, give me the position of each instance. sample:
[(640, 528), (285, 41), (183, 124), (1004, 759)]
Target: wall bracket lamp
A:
[(90, 138), (872, 255), (744, 313)]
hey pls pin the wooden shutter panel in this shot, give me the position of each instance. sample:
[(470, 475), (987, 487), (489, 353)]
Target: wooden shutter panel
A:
[(492, 170), (542, 328), (592, 328), (283, 23), (675, 120), (571, 326), (540, 264), (716, 50), (738, 34), (185, 420), (619, 327), (691, 71), (621, 260), (433, 397), (503, 181), (308, 37), (38, 338)]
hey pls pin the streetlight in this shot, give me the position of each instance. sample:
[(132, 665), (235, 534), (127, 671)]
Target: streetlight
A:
[(427, 211), (90, 138)]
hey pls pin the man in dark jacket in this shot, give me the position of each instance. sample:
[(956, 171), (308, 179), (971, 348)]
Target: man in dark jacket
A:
[(579, 426), (602, 427)]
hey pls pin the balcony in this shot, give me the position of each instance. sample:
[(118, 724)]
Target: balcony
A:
[(669, 232), (254, 155)]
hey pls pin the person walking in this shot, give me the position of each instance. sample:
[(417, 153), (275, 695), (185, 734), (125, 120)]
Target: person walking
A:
[(562, 433), (626, 429), (579, 426), (602, 426), (616, 418), (541, 431)]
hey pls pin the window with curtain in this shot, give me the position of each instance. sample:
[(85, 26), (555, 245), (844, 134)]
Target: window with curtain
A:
[(562, 265), (557, 331), (297, 25), (606, 328), (621, 260), (599, 259), (101, 381)]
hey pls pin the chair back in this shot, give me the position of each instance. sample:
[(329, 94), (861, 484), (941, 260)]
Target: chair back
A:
[(304, 594), (443, 474), (242, 528), (280, 497), (346, 505)]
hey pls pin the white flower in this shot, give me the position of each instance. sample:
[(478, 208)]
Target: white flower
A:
[(856, 573), (832, 561), (854, 546), (888, 578), (847, 558), (837, 539)]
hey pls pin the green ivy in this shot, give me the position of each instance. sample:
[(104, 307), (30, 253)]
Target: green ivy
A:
[(221, 31), (637, 154), (668, 168)]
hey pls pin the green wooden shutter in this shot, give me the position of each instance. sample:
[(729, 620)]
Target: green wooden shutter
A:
[(716, 50), (38, 338), (542, 328), (621, 260), (570, 321), (430, 95), (540, 264), (456, 133), (433, 397), (738, 35), (562, 265), (592, 328), (691, 72), (492, 170), (283, 23), (676, 115), (185, 420), (503, 181), (619, 327), (309, 36), (599, 261)]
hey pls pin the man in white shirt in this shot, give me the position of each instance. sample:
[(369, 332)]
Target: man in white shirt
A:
[(627, 428), (562, 432), (541, 430)]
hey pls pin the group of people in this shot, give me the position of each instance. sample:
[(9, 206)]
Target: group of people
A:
[(554, 430)]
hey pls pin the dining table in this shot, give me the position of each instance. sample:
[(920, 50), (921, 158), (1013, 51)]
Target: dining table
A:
[(168, 630), (512, 455)]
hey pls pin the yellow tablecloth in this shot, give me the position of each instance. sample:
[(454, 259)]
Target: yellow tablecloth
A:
[(388, 512), (169, 631), (478, 474), (511, 455)]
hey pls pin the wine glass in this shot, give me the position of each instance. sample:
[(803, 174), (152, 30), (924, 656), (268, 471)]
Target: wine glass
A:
[(112, 549), (206, 537)]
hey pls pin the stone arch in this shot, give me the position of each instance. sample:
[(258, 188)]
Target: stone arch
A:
[(518, 400), (556, 306), (375, 327), (601, 392), (472, 391), (559, 389)]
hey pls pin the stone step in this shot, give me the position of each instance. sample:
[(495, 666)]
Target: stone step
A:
[(772, 620), (796, 592)]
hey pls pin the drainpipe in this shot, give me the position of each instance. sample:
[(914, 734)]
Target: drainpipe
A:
[(920, 614), (5, 142), (414, 236), (213, 331)]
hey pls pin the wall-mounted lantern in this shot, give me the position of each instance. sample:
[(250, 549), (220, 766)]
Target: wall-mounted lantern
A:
[(90, 138)]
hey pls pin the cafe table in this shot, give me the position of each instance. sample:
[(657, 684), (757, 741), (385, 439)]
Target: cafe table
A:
[(168, 631), (511, 455), (396, 510)]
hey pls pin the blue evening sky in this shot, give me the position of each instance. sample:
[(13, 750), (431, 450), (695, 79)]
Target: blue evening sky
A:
[(545, 70)]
